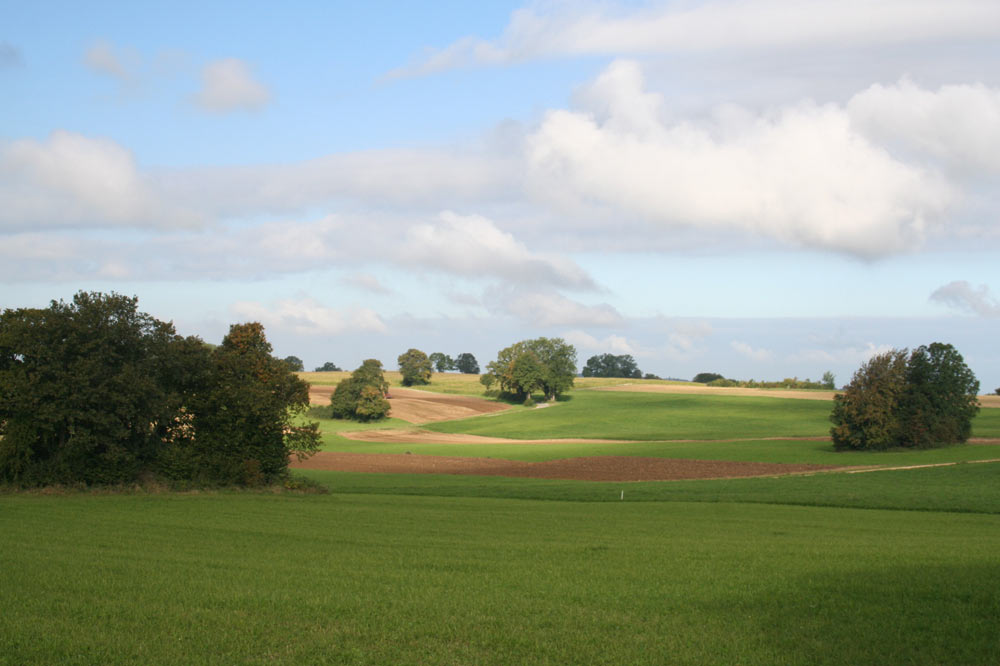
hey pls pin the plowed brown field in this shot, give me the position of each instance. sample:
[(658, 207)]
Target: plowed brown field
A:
[(604, 468), (422, 406)]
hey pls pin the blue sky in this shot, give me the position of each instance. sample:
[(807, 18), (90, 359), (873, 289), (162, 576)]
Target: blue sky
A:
[(761, 188)]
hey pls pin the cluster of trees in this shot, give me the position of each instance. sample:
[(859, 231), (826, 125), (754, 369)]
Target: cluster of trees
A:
[(96, 392), (901, 399), (329, 366), (362, 396), (415, 366), (465, 363), (609, 365), (543, 364)]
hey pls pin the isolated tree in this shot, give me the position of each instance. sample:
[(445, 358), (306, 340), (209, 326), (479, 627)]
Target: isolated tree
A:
[(442, 362), (294, 363), (706, 377), (927, 398), (610, 365), (415, 367), (556, 362), (329, 366), (361, 396), (466, 363), (829, 380)]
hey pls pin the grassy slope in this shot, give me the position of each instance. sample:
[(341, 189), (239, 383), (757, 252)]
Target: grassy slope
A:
[(382, 579), (641, 416)]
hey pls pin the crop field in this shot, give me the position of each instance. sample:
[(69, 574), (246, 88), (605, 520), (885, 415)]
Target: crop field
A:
[(825, 558)]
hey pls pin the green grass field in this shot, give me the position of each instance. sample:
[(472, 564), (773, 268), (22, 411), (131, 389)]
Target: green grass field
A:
[(884, 567)]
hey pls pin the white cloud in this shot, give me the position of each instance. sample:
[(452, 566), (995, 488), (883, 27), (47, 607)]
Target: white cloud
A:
[(228, 85), (473, 246), (958, 124), (548, 308), (801, 175), (851, 355), (962, 296), (612, 344), (758, 354), (73, 180), (306, 316), (575, 29)]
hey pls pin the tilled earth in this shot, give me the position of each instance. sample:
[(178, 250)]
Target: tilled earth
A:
[(602, 468)]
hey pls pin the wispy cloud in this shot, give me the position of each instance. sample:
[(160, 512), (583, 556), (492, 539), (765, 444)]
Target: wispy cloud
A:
[(228, 85), (548, 308), (10, 56), (306, 316), (545, 30), (962, 296)]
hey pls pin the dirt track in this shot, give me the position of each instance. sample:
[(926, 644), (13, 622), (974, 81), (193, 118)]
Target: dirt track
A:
[(604, 468), (422, 406)]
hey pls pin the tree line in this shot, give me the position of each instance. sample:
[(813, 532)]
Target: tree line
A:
[(96, 392)]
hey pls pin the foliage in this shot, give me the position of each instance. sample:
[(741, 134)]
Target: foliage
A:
[(609, 365), (245, 420), (706, 377), (829, 380), (415, 367), (96, 392), (361, 397), (927, 398), (467, 364), (786, 383), (294, 363), (329, 366), (442, 362), (545, 364), (487, 380), (650, 375)]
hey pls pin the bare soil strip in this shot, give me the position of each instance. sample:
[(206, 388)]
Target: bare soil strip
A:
[(603, 468), (422, 406)]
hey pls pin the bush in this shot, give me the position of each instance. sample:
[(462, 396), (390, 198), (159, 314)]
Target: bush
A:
[(706, 377), (919, 400)]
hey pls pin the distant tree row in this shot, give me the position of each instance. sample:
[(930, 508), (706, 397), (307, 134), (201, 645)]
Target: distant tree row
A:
[(96, 392), (609, 365)]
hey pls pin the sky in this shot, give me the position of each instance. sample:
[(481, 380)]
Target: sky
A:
[(759, 188)]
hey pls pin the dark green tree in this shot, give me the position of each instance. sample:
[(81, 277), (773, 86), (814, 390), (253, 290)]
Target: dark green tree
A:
[(415, 367), (919, 400), (829, 380), (329, 366), (245, 422), (85, 390), (294, 363), (442, 362), (361, 397), (467, 364), (706, 377), (609, 365)]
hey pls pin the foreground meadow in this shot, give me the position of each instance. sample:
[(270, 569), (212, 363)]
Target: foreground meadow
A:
[(874, 567)]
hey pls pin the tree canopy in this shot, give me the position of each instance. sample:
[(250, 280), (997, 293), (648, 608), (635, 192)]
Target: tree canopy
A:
[(466, 363), (706, 377), (96, 392), (361, 397), (295, 363), (898, 399), (541, 364), (442, 362), (329, 366), (415, 367), (609, 365)]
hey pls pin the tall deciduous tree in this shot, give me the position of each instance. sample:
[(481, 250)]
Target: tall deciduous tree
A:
[(466, 363), (415, 367), (610, 365), (514, 368), (294, 363)]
